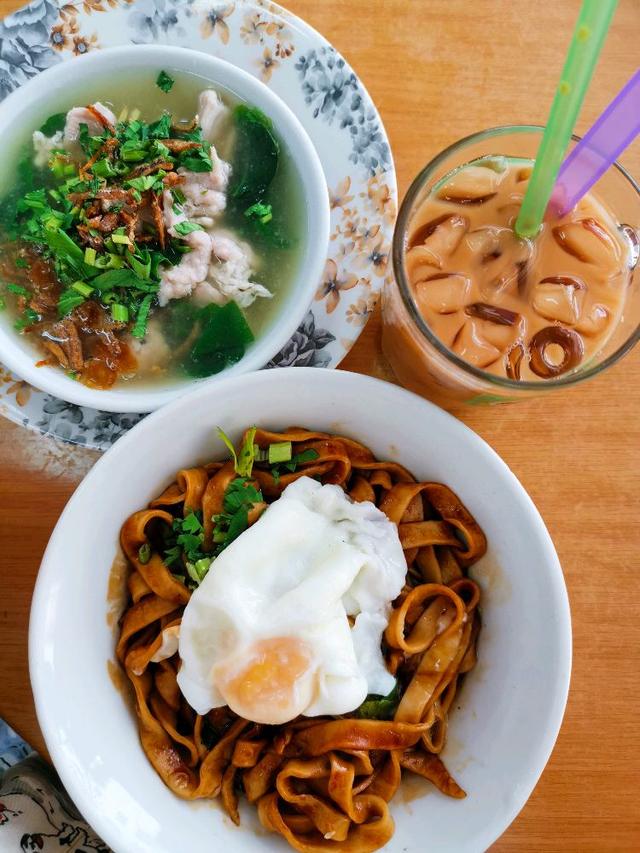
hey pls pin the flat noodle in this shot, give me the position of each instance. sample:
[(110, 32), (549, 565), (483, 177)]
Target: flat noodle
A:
[(322, 783)]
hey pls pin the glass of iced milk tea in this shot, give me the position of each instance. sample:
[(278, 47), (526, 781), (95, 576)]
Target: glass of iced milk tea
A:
[(479, 315)]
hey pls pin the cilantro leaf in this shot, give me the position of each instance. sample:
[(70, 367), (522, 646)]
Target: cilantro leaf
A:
[(165, 82)]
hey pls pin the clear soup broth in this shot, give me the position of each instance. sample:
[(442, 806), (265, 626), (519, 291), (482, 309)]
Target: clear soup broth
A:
[(162, 263)]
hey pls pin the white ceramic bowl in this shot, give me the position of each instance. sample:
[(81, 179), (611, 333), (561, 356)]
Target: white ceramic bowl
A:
[(27, 107), (511, 705)]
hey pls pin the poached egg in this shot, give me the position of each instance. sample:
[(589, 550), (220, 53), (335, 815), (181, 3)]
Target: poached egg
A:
[(289, 618)]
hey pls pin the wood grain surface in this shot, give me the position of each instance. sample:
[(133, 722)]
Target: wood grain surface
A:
[(438, 70)]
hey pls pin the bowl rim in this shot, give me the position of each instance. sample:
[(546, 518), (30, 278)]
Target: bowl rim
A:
[(338, 383), (20, 358)]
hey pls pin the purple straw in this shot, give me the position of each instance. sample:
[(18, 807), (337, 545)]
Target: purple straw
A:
[(616, 128)]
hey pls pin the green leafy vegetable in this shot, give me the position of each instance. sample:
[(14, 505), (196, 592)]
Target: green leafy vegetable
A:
[(165, 82), (179, 320), (256, 154), (222, 340), (54, 124), (380, 707)]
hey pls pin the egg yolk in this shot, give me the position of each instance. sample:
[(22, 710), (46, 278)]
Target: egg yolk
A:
[(270, 682)]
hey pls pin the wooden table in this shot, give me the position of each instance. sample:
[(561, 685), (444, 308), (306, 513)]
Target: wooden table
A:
[(438, 70)]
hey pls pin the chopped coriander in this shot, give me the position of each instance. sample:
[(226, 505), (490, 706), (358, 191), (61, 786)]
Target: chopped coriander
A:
[(239, 497), (22, 263), (144, 553), (165, 82), (28, 318), (3, 303), (262, 212), (72, 374), (82, 288)]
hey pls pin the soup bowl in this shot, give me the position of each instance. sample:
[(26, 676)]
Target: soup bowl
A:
[(510, 707), (28, 107)]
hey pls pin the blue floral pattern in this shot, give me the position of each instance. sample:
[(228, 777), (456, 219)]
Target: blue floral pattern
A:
[(25, 48), (326, 95), (303, 350), (335, 94)]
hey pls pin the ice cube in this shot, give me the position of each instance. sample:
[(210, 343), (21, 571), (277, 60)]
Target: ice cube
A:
[(594, 321), (488, 243), (470, 185), (441, 238), (588, 241), (420, 263), (559, 298), (444, 293), (470, 345)]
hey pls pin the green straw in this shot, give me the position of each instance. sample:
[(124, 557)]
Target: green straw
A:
[(586, 44)]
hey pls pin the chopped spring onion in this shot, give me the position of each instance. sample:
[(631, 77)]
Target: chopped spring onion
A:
[(121, 240), (90, 256), (199, 569), (120, 313), (103, 169), (82, 288), (144, 553), (282, 451), (259, 454)]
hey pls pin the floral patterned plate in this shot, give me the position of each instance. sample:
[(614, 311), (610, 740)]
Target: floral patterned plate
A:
[(325, 94)]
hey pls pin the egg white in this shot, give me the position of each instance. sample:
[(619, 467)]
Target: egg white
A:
[(313, 560)]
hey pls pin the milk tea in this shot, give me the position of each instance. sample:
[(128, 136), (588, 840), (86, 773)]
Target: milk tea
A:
[(524, 309)]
